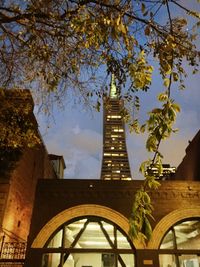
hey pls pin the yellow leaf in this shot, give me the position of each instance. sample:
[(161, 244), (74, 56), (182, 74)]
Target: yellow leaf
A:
[(118, 20), (87, 44), (166, 82), (175, 76), (122, 28), (143, 7), (176, 107), (162, 97), (182, 21), (167, 68)]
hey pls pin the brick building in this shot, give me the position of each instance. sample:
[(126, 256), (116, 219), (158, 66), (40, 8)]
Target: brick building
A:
[(17, 187)]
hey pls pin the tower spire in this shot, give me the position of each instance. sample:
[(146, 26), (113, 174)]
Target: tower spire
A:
[(113, 88), (115, 164)]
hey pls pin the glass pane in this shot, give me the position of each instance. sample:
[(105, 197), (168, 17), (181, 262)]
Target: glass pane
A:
[(84, 260), (122, 241), (89, 233), (168, 241), (93, 237), (188, 235), (108, 260), (128, 260), (87, 260), (51, 260), (71, 231), (189, 261), (56, 241), (167, 260)]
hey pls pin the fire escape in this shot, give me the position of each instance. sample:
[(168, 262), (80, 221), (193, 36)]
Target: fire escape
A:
[(12, 254)]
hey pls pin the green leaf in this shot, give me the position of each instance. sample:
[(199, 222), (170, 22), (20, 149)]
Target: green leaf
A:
[(147, 228), (133, 230), (151, 143)]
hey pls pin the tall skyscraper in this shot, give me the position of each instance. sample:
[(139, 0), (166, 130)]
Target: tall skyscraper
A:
[(115, 164)]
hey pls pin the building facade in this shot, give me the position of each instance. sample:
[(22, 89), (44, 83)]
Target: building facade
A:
[(68, 204), (17, 187)]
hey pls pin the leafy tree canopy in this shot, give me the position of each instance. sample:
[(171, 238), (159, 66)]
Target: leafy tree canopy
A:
[(52, 46)]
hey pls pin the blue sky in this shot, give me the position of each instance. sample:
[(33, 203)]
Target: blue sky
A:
[(76, 132)]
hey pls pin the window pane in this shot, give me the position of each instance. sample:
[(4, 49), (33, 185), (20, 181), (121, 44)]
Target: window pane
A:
[(188, 235), (168, 241), (108, 260), (71, 232), (87, 260), (167, 260), (56, 241), (122, 241), (88, 233), (128, 259), (189, 261), (93, 237), (51, 260)]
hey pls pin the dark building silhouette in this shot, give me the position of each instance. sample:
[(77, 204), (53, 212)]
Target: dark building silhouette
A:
[(189, 169), (85, 223)]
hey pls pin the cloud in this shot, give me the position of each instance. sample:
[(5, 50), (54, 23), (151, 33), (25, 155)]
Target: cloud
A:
[(86, 140), (80, 145), (83, 156), (81, 165)]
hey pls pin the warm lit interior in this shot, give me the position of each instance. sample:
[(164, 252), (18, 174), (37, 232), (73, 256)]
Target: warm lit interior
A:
[(88, 242), (181, 245)]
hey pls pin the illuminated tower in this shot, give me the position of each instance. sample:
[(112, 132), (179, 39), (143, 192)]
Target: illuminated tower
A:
[(115, 164)]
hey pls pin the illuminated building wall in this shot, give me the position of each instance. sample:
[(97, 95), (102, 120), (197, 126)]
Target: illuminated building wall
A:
[(17, 188)]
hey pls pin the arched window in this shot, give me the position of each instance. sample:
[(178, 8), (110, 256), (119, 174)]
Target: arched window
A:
[(88, 242), (180, 246)]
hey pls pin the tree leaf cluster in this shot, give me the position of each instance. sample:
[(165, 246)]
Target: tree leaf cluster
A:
[(159, 127), (18, 129), (17, 124), (58, 46), (140, 226)]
